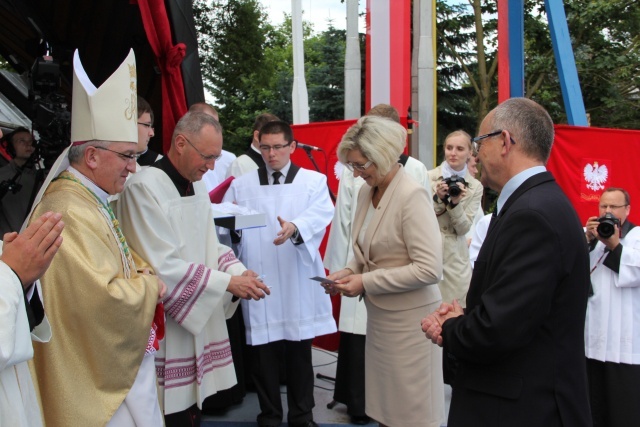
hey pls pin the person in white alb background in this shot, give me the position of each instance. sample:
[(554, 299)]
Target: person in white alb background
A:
[(612, 328)]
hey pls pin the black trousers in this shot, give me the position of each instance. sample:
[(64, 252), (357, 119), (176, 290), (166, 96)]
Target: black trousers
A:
[(190, 417), (614, 392), (266, 362), (350, 373)]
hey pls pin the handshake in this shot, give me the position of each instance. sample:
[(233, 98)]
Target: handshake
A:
[(432, 324)]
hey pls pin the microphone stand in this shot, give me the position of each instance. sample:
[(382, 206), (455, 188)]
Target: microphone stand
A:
[(315, 165)]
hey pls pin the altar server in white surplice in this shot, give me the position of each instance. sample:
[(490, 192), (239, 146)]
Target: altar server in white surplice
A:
[(164, 211), (23, 259), (298, 209)]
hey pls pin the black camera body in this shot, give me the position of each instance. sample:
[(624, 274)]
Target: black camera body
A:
[(607, 225), (452, 182)]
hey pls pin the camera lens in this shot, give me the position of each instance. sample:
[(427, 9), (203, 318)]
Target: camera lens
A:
[(606, 229), (607, 225), (454, 190)]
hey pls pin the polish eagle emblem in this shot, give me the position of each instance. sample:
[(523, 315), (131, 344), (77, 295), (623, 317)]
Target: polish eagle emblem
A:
[(595, 175)]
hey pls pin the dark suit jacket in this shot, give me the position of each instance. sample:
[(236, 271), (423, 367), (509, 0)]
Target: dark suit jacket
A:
[(520, 344)]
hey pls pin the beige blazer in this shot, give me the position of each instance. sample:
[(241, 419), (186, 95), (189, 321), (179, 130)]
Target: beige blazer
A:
[(401, 255)]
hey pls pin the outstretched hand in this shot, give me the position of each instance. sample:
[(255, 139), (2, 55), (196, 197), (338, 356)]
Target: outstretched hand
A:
[(287, 230)]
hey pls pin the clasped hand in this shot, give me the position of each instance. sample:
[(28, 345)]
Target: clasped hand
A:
[(30, 252), (432, 324)]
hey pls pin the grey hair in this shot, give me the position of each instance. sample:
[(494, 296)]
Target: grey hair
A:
[(379, 139), (193, 122), (530, 125), (76, 152)]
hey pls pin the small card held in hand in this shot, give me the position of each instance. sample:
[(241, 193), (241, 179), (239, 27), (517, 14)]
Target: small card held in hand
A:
[(323, 280)]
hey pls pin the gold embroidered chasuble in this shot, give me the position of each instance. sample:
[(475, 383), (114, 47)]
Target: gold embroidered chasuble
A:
[(100, 320)]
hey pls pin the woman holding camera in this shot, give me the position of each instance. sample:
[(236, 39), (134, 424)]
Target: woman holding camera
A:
[(456, 198)]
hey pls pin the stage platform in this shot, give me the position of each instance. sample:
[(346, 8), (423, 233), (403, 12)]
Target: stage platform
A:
[(324, 362)]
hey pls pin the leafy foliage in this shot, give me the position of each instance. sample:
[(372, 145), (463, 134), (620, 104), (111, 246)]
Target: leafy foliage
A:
[(232, 38), (606, 44), (248, 64)]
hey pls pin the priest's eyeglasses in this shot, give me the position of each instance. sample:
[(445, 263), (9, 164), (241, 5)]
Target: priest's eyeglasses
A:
[(125, 156), (612, 207), (204, 157), (355, 166), (268, 148)]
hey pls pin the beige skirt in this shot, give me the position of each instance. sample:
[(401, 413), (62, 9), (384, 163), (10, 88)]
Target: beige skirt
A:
[(403, 370)]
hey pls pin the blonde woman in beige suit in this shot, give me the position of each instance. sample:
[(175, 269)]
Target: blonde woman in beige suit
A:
[(396, 265)]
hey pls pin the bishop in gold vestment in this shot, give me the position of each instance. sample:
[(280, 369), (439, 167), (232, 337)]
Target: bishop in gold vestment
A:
[(98, 369), (100, 319)]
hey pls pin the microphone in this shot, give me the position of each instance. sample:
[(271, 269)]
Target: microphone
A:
[(308, 147)]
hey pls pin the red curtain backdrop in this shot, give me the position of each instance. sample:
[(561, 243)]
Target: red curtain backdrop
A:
[(586, 160), (169, 56)]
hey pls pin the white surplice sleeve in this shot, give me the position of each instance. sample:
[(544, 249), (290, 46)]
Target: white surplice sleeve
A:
[(418, 171), (629, 273), (15, 343), (313, 221), (339, 250), (479, 234)]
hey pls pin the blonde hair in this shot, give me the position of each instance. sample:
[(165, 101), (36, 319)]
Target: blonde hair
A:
[(462, 133), (379, 139)]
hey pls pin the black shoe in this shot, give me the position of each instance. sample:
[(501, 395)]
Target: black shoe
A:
[(309, 423), (360, 420)]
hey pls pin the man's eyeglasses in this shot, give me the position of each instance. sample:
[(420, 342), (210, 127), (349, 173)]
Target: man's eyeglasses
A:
[(268, 148), (147, 125), (605, 207), (355, 166), (204, 157), (476, 141), (125, 156)]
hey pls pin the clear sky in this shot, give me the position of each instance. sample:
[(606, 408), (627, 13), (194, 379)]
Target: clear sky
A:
[(318, 12)]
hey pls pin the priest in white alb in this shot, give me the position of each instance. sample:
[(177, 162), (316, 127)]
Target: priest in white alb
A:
[(298, 209), (165, 214)]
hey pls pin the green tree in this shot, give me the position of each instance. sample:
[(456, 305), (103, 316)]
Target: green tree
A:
[(467, 62), (324, 71), (326, 76), (232, 42), (606, 43)]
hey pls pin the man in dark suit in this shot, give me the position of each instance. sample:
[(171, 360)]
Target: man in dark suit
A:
[(519, 345)]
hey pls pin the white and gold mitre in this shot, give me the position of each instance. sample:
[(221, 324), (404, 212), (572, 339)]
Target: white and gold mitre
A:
[(107, 113)]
